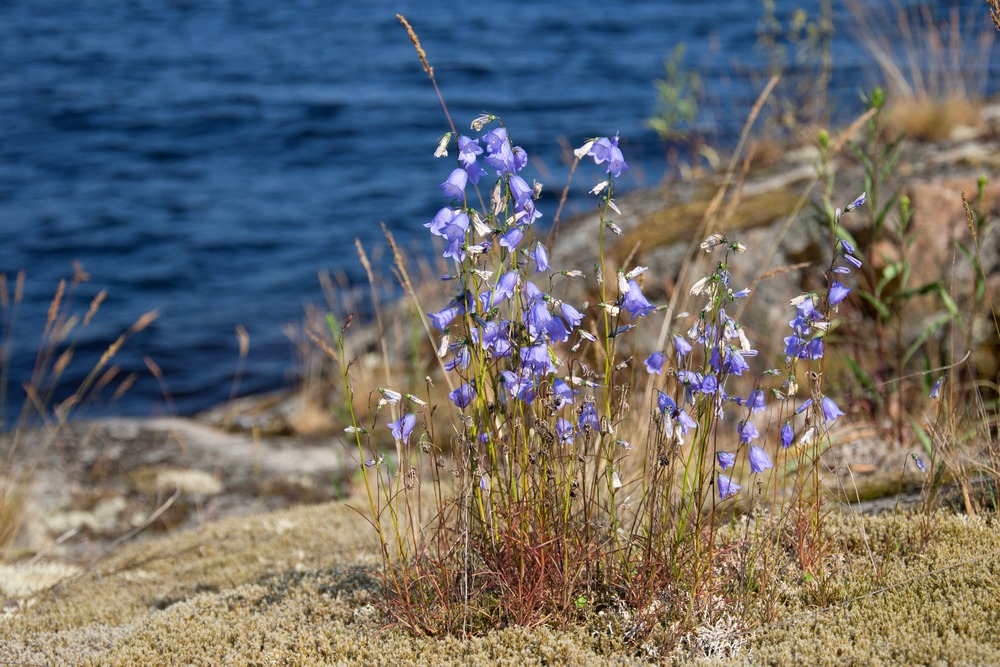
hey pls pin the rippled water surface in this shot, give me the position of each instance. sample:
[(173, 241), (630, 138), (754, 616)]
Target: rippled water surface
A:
[(207, 159)]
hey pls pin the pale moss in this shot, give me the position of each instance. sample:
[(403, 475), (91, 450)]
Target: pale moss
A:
[(294, 587)]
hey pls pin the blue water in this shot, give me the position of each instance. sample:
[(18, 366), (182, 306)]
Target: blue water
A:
[(207, 159)]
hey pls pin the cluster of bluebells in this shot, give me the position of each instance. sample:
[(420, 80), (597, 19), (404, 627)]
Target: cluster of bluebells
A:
[(499, 315), (726, 350)]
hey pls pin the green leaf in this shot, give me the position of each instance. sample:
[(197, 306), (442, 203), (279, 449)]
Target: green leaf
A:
[(861, 376), (922, 436), (928, 331), (876, 303)]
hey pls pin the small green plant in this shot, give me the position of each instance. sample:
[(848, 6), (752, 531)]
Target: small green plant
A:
[(677, 99), (557, 488)]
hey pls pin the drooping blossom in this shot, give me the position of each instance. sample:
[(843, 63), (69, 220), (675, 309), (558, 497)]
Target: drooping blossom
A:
[(727, 487), (759, 460), (454, 187), (463, 396), (606, 150), (654, 364), (403, 427), (726, 460), (635, 303), (787, 434)]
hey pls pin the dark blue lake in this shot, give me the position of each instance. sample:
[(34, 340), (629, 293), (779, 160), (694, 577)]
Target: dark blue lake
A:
[(207, 159)]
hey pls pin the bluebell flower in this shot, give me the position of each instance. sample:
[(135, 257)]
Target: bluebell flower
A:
[(541, 258), (537, 359), (682, 347), (691, 381), (606, 150), (403, 427), (814, 348), (734, 363), (664, 402), (856, 203), (830, 409), (565, 431), (562, 393), (520, 190), (727, 487), (468, 149), (572, 316), (462, 359), (759, 460), (756, 400), (635, 303), (787, 434), (936, 389), (463, 396), (654, 364), (726, 460), (516, 385), (441, 220), (512, 238), (444, 317), (588, 418), (838, 292), (847, 247), (454, 187), (506, 285), (709, 384), (853, 260), (684, 422), (919, 462), (747, 431)]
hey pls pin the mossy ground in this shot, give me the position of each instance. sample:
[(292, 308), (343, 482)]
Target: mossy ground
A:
[(292, 587)]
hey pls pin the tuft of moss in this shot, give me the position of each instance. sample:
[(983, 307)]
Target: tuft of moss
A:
[(296, 587)]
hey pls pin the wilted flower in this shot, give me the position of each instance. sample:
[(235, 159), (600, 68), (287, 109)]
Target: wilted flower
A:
[(727, 487), (392, 397), (759, 460), (712, 241), (616, 482)]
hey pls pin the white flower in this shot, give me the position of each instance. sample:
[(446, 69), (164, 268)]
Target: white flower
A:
[(636, 272), (582, 151), (442, 147), (699, 287)]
